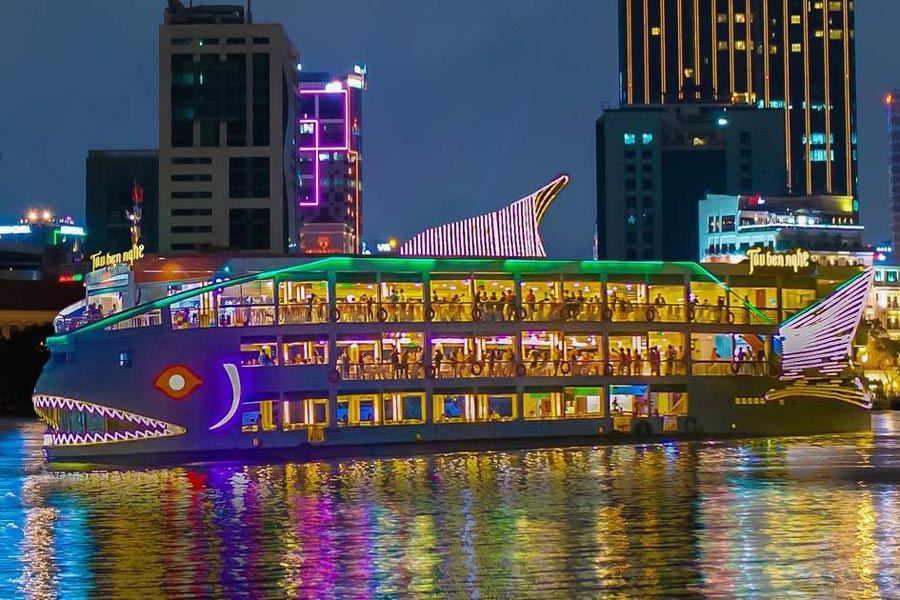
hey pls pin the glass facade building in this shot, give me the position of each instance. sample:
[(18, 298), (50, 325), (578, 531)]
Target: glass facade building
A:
[(794, 55)]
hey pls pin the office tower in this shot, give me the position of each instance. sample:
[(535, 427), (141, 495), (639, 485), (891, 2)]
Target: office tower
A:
[(329, 162), (654, 163), (795, 55), (892, 101), (111, 178), (227, 106)]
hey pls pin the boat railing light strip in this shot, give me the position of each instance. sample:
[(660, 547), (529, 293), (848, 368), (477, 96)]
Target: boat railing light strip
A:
[(416, 265)]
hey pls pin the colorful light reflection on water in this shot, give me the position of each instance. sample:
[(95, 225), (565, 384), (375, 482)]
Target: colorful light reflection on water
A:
[(811, 517)]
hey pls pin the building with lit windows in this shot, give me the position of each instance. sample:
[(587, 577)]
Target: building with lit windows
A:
[(797, 56), (825, 226), (227, 106), (655, 162), (111, 178), (892, 101), (329, 163), (41, 245)]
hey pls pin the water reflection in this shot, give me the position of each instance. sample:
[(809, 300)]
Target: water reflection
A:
[(763, 517)]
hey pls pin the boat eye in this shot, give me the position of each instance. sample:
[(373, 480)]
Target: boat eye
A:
[(177, 382)]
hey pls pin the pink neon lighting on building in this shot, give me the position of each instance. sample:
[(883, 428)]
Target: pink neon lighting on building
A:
[(317, 185), (346, 119), (511, 232), (819, 338)]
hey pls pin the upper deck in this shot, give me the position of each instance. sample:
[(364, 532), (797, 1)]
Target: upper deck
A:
[(402, 290)]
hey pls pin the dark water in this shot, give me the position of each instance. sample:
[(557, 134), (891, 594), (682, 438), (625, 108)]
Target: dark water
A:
[(813, 517)]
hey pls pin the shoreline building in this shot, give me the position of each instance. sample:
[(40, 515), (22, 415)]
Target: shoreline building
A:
[(42, 246), (824, 226), (227, 105), (111, 178), (655, 162), (329, 163), (797, 56)]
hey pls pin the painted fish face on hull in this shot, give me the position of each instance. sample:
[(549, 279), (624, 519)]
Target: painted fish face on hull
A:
[(166, 410)]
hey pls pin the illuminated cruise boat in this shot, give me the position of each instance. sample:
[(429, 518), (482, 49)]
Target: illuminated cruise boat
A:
[(213, 357)]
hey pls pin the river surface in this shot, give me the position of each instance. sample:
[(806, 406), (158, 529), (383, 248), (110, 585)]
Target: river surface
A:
[(805, 517)]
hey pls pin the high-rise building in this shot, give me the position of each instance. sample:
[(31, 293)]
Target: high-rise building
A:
[(892, 101), (329, 162), (795, 55), (654, 163), (111, 177), (227, 106)]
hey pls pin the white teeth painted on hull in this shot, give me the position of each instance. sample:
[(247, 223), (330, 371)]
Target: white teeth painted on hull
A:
[(145, 427)]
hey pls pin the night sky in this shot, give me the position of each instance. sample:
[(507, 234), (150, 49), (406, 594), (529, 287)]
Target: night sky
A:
[(471, 103)]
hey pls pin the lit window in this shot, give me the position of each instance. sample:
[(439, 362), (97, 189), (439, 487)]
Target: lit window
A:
[(740, 18), (630, 139), (654, 31), (836, 6), (646, 138), (721, 18), (740, 45), (836, 34), (773, 49), (723, 45), (819, 33), (688, 73), (795, 19), (796, 48), (699, 141), (125, 359)]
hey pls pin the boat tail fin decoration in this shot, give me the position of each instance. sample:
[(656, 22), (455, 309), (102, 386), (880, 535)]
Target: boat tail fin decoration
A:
[(511, 232), (818, 339)]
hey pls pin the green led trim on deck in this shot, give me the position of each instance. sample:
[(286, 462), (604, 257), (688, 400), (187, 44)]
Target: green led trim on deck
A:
[(420, 265)]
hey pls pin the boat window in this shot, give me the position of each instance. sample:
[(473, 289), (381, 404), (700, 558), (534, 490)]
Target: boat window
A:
[(194, 311), (403, 408), (728, 354), (708, 302), (495, 356), (494, 300), (401, 301), (454, 408), (452, 355), (764, 298), (301, 412), (581, 301), (584, 402), (304, 350), (669, 404), (459, 408), (628, 400), (259, 351), (542, 299), (451, 299), (542, 405), (302, 302), (667, 302), (260, 415), (542, 352), (392, 355), (628, 299), (247, 304), (357, 301), (358, 409)]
